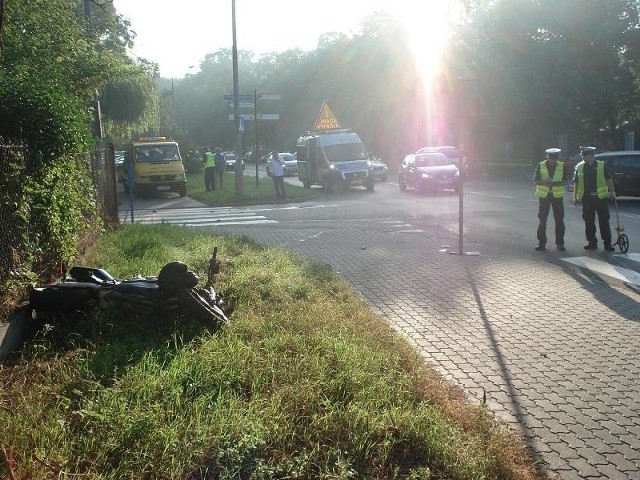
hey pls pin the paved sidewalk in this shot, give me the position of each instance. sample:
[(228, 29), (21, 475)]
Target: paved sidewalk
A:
[(556, 351)]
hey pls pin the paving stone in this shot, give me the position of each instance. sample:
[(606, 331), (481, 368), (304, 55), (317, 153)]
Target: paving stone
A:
[(622, 463), (611, 472), (563, 374), (584, 468)]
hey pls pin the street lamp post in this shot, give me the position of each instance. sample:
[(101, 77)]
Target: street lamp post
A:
[(236, 106)]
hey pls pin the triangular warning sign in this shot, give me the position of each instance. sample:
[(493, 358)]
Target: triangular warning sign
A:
[(326, 119)]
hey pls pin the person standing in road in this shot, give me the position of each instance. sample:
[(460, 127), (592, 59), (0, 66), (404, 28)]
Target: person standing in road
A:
[(593, 186), (221, 166), (276, 168), (209, 164), (550, 178)]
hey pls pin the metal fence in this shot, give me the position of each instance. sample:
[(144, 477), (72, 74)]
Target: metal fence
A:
[(11, 161), (103, 173), (13, 230)]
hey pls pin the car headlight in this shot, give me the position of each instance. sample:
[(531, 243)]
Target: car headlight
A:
[(457, 174), (332, 166), (426, 175)]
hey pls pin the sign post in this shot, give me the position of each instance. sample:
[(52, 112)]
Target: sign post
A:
[(468, 107), (251, 101), (255, 133)]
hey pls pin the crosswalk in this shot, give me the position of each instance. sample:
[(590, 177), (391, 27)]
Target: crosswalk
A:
[(610, 269), (197, 216), (621, 267)]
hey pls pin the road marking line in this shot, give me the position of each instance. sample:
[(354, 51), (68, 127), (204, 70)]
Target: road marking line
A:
[(605, 268), (199, 217), (632, 256)]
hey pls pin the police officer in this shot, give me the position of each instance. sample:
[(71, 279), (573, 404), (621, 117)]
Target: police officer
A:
[(593, 186), (209, 164), (550, 178)]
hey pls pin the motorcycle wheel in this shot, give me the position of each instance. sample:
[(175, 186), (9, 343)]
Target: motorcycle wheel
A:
[(193, 303)]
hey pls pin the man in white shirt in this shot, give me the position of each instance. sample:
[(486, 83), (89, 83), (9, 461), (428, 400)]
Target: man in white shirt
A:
[(276, 167)]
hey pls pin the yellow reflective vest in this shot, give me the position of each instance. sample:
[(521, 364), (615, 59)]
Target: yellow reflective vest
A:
[(209, 160), (602, 189), (557, 190)]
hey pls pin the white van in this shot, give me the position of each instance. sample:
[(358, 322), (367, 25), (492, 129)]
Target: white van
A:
[(333, 158)]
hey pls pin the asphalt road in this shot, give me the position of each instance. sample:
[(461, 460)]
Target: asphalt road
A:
[(552, 339)]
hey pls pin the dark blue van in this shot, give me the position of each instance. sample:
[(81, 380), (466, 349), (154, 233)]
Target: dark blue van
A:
[(625, 170)]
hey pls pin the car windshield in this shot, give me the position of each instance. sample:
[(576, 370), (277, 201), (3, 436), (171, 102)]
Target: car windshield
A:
[(230, 156), (343, 152), (436, 160), (287, 157), (450, 152), (157, 153), (625, 162)]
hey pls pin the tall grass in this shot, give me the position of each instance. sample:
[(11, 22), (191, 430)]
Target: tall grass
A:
[(304, 382)]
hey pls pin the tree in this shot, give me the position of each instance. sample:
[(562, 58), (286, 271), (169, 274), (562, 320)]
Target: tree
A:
[(553, 67)]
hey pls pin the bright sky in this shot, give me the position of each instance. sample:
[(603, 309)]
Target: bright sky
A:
[(177, 34)]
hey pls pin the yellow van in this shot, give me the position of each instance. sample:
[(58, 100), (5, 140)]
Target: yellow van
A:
[(153, 164)]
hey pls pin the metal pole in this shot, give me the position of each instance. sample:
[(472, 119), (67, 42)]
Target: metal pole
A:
[(236, 105), (461, 205), (469, 107), (255, 131), (462, 112)]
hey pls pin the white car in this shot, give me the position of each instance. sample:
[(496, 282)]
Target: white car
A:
[(380, 169), (290, 163)]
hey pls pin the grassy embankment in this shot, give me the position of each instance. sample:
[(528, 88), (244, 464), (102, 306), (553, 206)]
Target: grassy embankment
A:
[(304, 382)]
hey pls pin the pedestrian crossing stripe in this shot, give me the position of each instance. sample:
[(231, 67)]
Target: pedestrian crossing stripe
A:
[(604, 268), (199, 217)]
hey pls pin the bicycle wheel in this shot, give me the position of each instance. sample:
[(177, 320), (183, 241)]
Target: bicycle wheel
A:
[(193, 303), (623, 243)]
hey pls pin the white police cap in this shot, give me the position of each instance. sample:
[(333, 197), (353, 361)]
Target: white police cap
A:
[(587, 149), (553, 151)]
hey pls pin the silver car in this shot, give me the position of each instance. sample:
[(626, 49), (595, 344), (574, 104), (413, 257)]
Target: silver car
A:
[(231, 159), (290, 163)]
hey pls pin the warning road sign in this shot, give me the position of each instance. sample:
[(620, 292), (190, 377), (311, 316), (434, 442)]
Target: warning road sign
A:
[(326, 119)]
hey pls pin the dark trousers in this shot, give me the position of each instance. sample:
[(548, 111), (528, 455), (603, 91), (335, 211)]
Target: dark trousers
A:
[(220, 175), (545, 204), (210, 178), (590, 206), (278, 184)]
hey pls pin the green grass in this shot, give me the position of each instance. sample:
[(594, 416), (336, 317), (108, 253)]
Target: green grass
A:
[(252, 194), (304, 382)]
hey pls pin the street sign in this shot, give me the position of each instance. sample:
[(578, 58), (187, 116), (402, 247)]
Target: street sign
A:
[(242, 105), (241, 124), (244, 97), (261, 116), (249, 96)]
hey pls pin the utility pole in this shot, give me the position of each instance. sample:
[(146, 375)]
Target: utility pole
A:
[(236, 106)]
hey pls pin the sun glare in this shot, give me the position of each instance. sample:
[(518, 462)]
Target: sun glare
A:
[(427, 28)]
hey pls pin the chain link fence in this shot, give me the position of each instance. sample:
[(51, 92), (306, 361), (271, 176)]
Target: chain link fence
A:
[(14, 229), (103, 172), (11, 163)]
